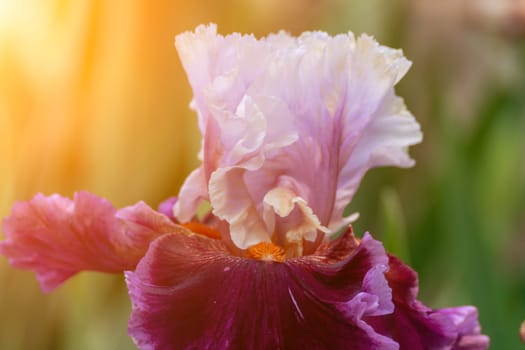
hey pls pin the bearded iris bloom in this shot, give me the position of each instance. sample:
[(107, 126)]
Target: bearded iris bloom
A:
[(290, 126)]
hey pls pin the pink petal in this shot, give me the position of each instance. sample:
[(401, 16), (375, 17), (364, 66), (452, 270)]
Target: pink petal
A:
[(57, 237), (190, 293)]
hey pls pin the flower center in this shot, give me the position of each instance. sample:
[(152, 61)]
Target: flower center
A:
[(201, 229), (266, 251)]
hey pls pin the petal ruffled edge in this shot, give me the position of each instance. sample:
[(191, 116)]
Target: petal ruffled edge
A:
[(417, 327), (57, 237), (240, 82)]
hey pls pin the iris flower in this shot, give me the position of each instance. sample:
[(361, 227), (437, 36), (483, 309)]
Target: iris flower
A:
[(290, 126)]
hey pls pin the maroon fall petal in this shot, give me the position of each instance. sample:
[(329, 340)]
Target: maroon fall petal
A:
[(417, 327), (189, 292), (56, 237)]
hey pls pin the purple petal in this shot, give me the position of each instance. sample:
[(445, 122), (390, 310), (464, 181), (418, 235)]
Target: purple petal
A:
[(166, 207), (57, 237), (469, 330), (190, 293)]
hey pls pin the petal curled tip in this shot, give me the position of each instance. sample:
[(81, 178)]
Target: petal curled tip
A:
[(307, 116), (465, 320), (57, 237)]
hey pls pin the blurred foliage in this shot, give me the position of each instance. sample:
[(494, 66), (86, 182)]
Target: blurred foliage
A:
[(93, 96)]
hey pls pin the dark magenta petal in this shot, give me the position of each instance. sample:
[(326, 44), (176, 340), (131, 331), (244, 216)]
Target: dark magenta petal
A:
[(190, 293), (57, 237), (415, 326)]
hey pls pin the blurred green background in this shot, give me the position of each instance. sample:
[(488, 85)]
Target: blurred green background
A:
[(93, 96)]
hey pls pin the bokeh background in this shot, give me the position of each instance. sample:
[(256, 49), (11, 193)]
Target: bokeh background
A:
[(93, 96)]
